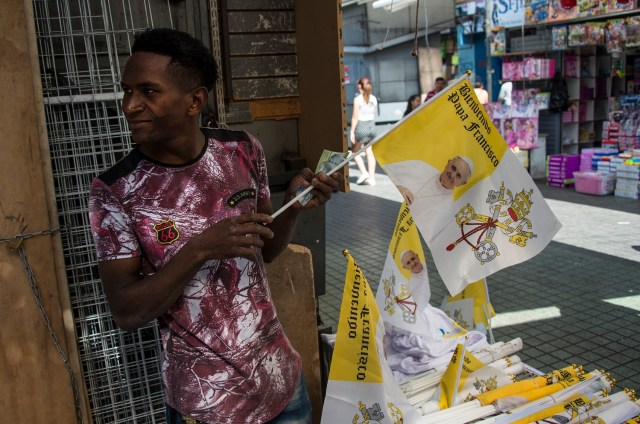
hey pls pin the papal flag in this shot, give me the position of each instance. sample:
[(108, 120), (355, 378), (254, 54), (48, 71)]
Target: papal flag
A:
[(404, 291), (465, 378), (361, 387), (419, 336), (474, 203), (477, 296)]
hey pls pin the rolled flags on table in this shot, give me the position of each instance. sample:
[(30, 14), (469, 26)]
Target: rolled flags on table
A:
[(576, 410), (463, 364), (569, 388), (465, 378), (361, 386), (497, 398), (476, 206), (529, 384)]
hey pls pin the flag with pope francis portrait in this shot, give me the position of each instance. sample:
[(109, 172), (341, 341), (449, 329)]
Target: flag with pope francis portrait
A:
[(404, 291), (474, 203)]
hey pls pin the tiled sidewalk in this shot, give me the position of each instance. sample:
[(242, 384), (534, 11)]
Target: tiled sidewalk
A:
[(578, 301)]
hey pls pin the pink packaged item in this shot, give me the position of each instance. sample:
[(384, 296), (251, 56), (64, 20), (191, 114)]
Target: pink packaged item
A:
[(596, 183), (532, 68), (571, 66), (518, 71)]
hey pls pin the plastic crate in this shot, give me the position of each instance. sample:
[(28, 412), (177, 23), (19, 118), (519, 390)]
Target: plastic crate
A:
[(596, 183)]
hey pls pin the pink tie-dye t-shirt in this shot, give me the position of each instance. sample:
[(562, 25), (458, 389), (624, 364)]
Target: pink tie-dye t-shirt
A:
[(225, 356)]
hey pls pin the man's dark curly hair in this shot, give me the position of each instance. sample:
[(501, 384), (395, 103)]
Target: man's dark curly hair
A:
[(191, 62)]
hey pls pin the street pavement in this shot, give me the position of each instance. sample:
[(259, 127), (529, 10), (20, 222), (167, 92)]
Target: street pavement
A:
[(577, 302)]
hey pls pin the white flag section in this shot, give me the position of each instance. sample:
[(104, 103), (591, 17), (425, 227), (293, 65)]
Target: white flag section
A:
[(361, 387), (474, 203)]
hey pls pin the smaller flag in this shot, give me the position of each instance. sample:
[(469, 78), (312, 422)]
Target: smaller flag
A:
[(458, 377), (479, 293), (404, 291), (361, 386)]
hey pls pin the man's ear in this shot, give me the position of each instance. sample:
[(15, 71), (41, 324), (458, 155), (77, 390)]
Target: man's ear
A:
[(199, 98)]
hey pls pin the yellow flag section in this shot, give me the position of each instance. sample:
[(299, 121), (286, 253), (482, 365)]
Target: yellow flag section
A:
[(482, 308), (361, 387), (473, 202), (404, 289), (462, 365)]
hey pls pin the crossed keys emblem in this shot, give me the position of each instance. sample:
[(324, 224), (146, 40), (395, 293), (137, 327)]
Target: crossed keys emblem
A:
[(507, 212), (403, 299)]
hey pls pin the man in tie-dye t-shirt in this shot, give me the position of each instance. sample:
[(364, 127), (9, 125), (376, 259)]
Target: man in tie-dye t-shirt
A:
[(182, 227)]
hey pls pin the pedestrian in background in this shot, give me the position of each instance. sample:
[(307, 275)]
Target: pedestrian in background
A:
[(412, 103), (481, 93), (504, 96), (440, 84), (363, 130)]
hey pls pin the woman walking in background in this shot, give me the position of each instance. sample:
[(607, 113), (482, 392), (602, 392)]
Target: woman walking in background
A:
[(363, 130), (413, 102)]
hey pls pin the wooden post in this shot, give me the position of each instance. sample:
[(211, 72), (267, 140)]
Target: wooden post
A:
[(36, 385), (322, 124), (291, 283)]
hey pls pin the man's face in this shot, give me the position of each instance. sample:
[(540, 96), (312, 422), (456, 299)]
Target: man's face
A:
[(440, 84), (411, 262), (455, 174), (153, 104)]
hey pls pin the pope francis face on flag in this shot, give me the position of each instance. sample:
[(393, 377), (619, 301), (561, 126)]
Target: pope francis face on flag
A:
[(411, 262), (420, 181), (456, 173)]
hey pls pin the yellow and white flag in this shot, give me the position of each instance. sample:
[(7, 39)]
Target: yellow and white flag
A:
[(403, 291), (466, 377), (475, 205), (478, 294), (361, 387)]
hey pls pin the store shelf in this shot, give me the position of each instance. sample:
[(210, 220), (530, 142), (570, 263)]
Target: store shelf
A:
[(588, 90), (529, 80)]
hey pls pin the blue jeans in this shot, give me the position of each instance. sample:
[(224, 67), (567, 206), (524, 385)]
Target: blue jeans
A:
[(297, 411)]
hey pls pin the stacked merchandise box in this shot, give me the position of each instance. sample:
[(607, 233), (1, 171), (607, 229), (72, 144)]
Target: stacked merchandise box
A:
[(628, 179), (560, 169), (598, 183), (512, 71), (591, 157), (535, 68), (586, 159), (601, 154), (611, 132), (614, 161), (604, 166)]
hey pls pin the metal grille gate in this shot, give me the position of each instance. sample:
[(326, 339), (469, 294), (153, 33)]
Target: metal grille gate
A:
[(80, 47)]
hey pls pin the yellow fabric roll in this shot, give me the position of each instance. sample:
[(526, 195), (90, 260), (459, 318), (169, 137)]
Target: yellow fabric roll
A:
[(526, 385)]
